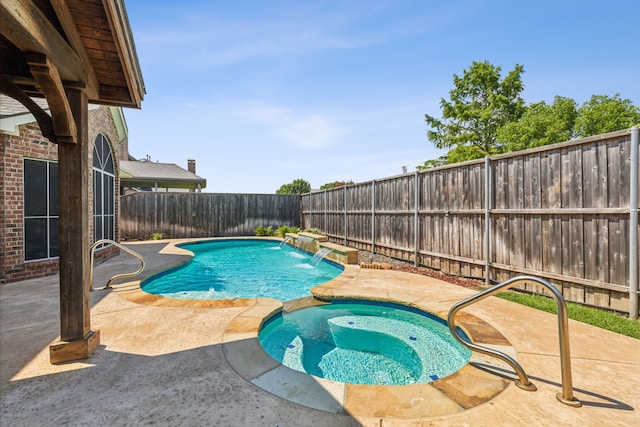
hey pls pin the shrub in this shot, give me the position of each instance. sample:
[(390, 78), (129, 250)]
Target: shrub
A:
[(284, 229), (313, 230), (156, 236), (264, 231)]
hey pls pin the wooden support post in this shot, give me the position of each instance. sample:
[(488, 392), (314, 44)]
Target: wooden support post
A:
[(77, 340)]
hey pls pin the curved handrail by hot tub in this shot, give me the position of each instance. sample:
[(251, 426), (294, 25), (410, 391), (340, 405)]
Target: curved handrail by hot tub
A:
[(523, 382)]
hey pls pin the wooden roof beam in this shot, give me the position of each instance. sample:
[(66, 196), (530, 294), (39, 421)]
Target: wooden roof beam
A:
[(48, 79), (43, 119), (24, 25)]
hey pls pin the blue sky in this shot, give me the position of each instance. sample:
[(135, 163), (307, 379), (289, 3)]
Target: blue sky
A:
[(264, 92)]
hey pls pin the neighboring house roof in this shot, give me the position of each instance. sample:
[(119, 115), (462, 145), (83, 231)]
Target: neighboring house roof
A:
[(162, 175), (13, 115), (9, 107)]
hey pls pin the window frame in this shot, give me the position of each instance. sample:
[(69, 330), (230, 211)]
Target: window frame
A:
[(51, 215)]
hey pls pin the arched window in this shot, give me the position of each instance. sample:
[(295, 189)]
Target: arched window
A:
[(103, 190)]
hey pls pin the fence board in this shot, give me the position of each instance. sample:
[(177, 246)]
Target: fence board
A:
[(533, 224), (550, 199), (500, 226)]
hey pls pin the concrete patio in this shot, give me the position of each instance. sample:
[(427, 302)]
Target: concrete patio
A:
[(164, 363)]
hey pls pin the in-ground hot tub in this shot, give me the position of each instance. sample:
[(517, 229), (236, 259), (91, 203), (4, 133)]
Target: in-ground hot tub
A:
[(364, 343)]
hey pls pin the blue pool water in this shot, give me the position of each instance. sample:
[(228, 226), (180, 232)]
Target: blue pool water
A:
[(242, 268), (364, 343)]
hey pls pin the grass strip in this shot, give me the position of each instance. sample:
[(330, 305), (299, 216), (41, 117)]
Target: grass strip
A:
[(589, 315)]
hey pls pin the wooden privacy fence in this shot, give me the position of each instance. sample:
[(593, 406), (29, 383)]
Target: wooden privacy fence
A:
[(566, 212), (178, 215)]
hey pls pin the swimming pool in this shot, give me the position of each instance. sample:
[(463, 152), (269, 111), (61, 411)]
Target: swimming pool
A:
[(364, 343), (242, 268)]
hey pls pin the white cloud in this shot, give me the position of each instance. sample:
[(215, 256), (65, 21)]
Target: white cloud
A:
[(205, 42), (295, 129), (310, 131), (211, 39)]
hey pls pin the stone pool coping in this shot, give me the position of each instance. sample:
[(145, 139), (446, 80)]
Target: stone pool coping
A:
[(478, 382)]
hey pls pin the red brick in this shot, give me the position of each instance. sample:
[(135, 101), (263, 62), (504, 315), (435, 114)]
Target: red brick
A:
[(31, 144)]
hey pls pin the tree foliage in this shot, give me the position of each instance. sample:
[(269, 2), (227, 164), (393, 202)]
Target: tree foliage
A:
[(486, 115), (602, 114), (480, 103), (335, 184), (298, 186), (433, 163), (541, 124)]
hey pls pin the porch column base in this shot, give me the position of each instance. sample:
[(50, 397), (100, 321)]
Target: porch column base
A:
[(68, 351)]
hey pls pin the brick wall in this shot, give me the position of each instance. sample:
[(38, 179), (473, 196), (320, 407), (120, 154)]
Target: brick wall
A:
[(31, 144)]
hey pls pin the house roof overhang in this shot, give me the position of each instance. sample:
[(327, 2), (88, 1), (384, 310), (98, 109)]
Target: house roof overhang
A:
[(48, 46)]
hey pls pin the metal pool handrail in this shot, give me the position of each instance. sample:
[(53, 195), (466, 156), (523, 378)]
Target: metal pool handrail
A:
[(117, 276), (523, 382)]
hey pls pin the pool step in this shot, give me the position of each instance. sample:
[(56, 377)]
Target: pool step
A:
[(293, 355)]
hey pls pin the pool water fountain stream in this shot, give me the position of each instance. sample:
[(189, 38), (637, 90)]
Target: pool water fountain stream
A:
[(319, 256), (287, 240)]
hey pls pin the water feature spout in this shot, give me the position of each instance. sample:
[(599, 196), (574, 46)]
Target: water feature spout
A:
[(319, 256), (285, 241)]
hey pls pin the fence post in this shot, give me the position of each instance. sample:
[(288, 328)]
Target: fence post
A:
[(301, 210), (311, 210), (487, 220), (373, 217), (324, 209), (633, 227), (345, 214), (416, 218)]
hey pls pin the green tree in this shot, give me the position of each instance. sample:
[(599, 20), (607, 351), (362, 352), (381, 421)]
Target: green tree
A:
[(480, 103), (603, 114), (433, 163), (541, 124), (298, 186), (335, 184)]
